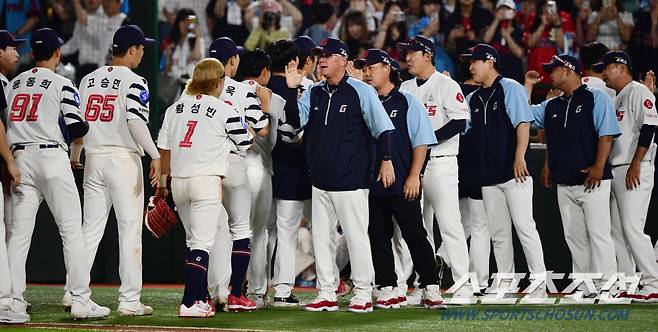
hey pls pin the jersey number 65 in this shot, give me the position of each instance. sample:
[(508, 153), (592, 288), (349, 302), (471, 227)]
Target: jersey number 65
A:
[(100, 107)]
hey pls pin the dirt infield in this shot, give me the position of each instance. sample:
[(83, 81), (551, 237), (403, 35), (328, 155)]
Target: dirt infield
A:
[(126, 328)]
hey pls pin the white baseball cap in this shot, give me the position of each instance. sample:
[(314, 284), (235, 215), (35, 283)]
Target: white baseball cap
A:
[(507, 3)]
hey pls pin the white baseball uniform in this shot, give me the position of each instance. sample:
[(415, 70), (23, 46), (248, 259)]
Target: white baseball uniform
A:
[(236, 194), (635, 106), (259, 175), (444, 101), (598, 83), (111, 97), (200, 131), (40, 102), (5, 283)]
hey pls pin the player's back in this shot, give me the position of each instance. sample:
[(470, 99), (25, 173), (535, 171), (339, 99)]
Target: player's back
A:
[(38, 100), (110, 97), (196, 130)]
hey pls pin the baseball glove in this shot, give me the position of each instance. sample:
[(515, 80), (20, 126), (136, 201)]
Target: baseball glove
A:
[(159, 218)]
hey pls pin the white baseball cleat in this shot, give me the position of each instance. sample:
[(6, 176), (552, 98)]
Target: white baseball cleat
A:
[(260, 300), (13, 314), (197, 310), (432, 298), (387, 299), (360, 304), (416, 297), (89, 310), (67, 301), (401, 292), (134, 308), (322, 303)]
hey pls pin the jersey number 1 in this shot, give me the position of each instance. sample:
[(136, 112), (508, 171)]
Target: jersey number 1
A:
[(20, 104), (187, 141), (100, 107)]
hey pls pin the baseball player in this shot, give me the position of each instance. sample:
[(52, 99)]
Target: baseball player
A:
[(632, 160), (591, 54), (500, 121), (237, 195), (447, 111), (580, 127), (8, 63), (410, 142), (115, 101), (198, 133), (308, 60), (38, 100), (290, 183), (254, 69), (340, 116)]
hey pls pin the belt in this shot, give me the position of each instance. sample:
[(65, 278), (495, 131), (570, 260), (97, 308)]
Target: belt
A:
[(41, 146), (615, 166), (442, 156)]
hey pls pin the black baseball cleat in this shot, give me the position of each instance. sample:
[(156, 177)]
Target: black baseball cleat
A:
[(289, 301)]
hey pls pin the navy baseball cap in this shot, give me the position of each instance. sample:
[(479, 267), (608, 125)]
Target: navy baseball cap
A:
[(331, 46), (306, 46), (45, 41), (563, 60), (482, 52), (6, 39), (128, 36), (610, 58), (224, 48), (373, 56), (418, 43)]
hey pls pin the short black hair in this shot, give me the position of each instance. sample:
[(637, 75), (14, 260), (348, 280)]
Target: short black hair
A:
[(44, 56), (394, 77), (592, 53), (252, 64), (322, 12), (119, 53), (281, 52)]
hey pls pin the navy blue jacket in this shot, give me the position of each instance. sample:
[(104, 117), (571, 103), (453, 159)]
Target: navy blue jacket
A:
[(573, 126), (495, 113), (339, 123)]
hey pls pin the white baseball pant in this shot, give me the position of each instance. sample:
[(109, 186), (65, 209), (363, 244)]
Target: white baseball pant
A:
[(587, 228), (441, 192), (288, 217), (236, 199), (196, 200), (507, 203), (115, 179), (351, 208), (629, 215), (260, 186), (46, 174), (476, 226)]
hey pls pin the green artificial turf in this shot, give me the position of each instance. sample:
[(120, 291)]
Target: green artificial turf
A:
[(165, 301)]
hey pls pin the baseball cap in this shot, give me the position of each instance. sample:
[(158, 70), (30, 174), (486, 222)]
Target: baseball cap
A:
[(610, 58), (373, 56), (506, 3), (45, 41), (418, 43), (331, 46), (306, 46), (6, 39), (482, 52), (224, 48), (563, 60), (128, 36)]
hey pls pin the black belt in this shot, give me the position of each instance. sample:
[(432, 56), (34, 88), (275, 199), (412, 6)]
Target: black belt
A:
[(442, 156), (41, 146)]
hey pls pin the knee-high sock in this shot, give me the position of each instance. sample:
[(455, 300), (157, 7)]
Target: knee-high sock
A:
[(203, 294), (196, 270), (239, 263)]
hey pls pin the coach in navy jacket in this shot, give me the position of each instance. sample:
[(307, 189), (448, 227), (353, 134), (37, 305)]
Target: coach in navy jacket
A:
[(340, 116)]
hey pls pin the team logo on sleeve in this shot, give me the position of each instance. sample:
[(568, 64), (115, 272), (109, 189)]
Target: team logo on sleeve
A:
[(144, 96), (244, 124), (460, 97), (648, 104), (76, 98)]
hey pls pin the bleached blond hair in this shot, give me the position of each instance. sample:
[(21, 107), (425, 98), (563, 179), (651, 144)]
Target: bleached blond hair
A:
[(206, 75)]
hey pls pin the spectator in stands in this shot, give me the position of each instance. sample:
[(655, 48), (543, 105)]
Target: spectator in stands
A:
[(59, 15), (291, 17), (93, 32), (169, 9), (611, 25), (227, 19), (507, 38), (21, 17), (368, 7), (324, 17), (185, 46), (581, 12), (466, 26), (354, 33), (269, 29), (431, 26), (544, 36), (392, 30), (644, 45)]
